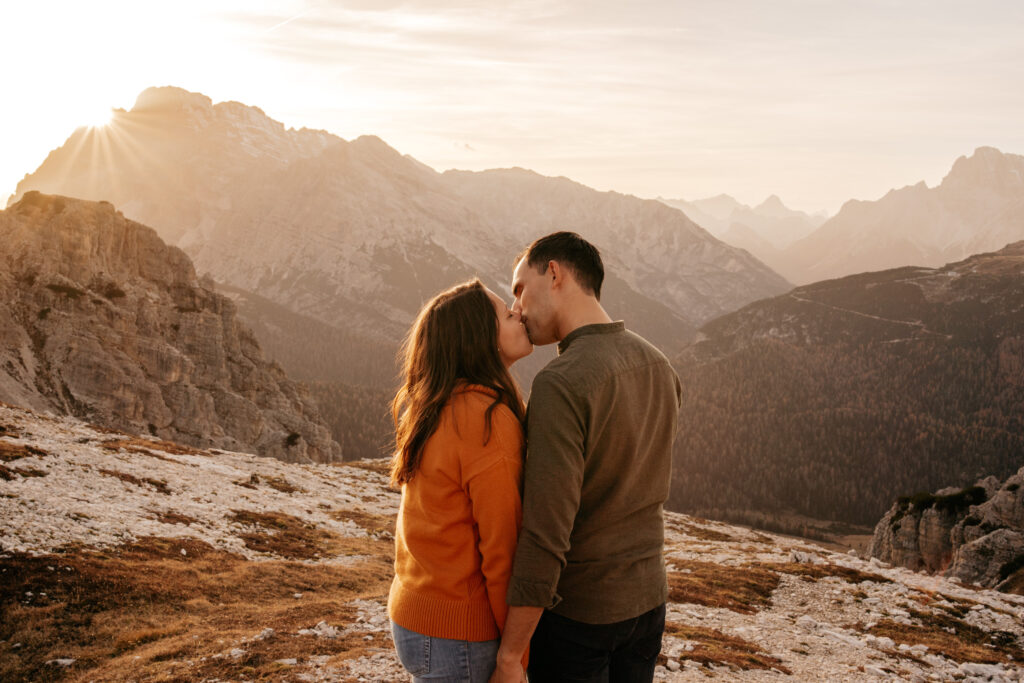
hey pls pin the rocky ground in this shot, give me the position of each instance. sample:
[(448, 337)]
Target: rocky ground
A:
[(128, 559)]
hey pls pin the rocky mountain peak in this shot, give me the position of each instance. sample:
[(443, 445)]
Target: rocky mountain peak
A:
[(83, 241), (987, 168), (100, 319), (171, 99), (199, 111), (773, 204)]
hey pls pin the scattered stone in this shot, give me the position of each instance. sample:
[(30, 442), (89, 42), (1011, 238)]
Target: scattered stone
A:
[(321, 630), (64, 662)]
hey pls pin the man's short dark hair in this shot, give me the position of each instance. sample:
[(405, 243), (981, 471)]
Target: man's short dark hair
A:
[(572, 251)]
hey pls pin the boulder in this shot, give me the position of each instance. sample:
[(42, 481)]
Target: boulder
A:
[(975, 534)]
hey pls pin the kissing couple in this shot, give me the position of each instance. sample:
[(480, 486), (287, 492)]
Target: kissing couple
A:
[(529, 539)]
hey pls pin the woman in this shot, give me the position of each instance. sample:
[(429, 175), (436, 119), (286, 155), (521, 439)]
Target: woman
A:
[(458, 458)]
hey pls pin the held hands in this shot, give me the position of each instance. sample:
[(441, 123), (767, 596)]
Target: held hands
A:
[(509, 669), (508, 672)]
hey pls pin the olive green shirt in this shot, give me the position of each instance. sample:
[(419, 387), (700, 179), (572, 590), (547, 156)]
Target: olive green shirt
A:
[(600, 425)]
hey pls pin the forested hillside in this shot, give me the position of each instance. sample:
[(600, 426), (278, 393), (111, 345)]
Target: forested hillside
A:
[(834, 399)]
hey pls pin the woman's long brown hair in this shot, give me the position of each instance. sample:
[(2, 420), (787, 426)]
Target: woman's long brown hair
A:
[(455, 337)]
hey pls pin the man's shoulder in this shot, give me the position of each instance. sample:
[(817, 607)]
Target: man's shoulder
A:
[(607, 352)]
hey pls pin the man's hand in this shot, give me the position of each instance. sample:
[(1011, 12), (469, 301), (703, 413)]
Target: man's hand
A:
[(510, 671), (515, 638)]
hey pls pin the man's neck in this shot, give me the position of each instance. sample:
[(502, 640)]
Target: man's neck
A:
[(587, 311)]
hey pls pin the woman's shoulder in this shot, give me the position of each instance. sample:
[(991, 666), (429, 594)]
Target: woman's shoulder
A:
[(470, 402)]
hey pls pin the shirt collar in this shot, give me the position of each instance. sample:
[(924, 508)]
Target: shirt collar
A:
[(596, 328)]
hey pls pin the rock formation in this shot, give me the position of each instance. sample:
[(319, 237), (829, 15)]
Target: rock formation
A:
[(102, 320), (974, 534)]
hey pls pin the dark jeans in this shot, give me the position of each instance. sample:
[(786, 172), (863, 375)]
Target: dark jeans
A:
[(563, 649)]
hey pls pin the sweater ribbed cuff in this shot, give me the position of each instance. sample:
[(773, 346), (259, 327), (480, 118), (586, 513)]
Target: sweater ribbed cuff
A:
[(470, 620)]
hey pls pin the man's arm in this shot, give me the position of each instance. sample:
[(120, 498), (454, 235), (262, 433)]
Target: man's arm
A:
[(553, 480), (519, 627)]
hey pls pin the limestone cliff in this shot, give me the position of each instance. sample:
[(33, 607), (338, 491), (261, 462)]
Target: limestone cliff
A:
[(102, 320), (975, 534)]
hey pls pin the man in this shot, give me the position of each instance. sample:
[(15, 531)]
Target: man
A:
[(588, 583)]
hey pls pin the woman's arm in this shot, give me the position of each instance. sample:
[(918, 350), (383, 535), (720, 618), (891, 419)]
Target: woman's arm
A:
[(492, 479)]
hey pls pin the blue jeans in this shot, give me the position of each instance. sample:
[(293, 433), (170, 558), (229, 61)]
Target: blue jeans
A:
[(439, 659)]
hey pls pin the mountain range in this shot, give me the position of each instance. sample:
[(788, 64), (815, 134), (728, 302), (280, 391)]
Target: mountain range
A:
[(978, 207), (836, 398), (356, 235), (340, 242), (767, 228)]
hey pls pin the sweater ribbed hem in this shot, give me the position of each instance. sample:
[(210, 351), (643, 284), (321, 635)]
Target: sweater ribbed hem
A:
[(470, 620)]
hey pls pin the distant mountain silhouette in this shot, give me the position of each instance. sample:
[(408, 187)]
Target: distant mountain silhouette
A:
[(978, 207), (355, 236), (838, 397), (764, 230)]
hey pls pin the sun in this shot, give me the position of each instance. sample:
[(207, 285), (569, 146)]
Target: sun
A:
[(97, 117)]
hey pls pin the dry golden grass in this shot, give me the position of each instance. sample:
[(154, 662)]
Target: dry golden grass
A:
[(9, 452), (292, 538), (9, 431), (158, 484), (813, 572), (171, 517), (9, 473), (1015, 583), (378, 465), (947, 635), (740, 589), (142, 446), (277, 483), (137, 612), (715, 647), (29, 471), (955, 606), (700, 532), (281, 484), (371, 522), (105, 430)]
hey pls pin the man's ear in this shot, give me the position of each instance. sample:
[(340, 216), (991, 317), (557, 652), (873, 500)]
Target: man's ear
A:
[(555, 274)]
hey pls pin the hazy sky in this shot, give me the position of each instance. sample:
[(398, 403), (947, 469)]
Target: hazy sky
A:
[(813, 100)]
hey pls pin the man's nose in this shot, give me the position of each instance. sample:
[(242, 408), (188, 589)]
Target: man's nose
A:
[(517, 308)]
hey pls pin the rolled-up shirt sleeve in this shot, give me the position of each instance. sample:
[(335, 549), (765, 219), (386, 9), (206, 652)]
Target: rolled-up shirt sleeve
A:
[(552, 484)]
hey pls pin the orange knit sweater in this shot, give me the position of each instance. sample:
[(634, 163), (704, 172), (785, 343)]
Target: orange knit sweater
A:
[(458, 523)]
